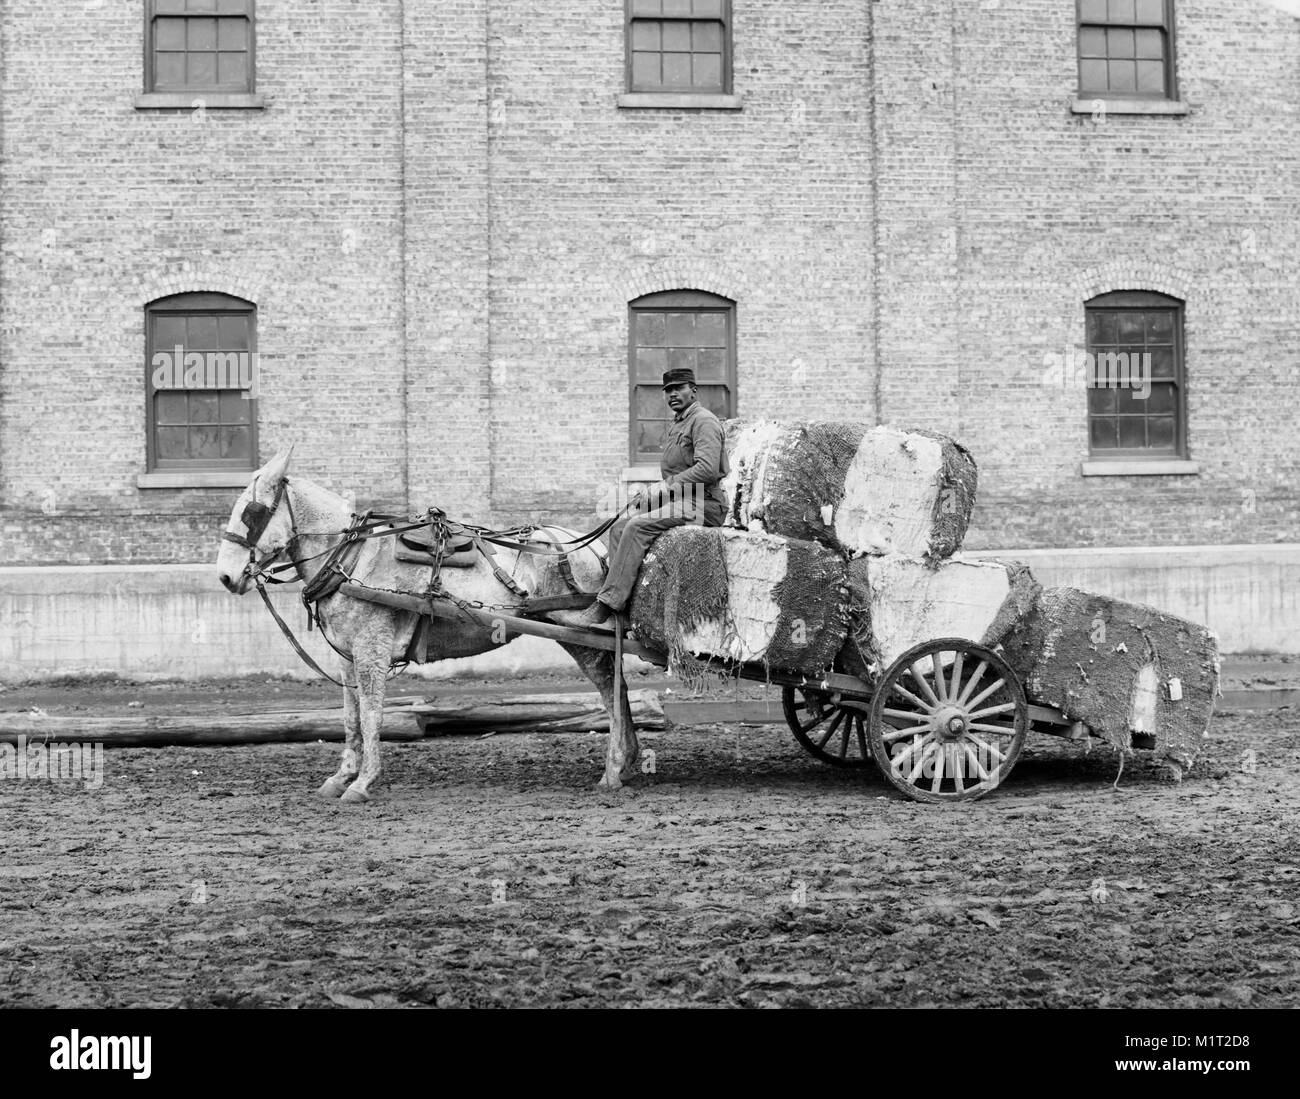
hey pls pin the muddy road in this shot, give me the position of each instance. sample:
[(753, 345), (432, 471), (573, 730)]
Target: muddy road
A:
[(739, 872)]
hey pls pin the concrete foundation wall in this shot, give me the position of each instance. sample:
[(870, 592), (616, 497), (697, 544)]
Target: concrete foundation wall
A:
[(164, 622)]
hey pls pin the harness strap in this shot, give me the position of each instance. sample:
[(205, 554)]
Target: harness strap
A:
[(306, 656), (489, 555)]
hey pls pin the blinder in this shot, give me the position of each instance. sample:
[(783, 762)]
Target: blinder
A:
[(256, 518)]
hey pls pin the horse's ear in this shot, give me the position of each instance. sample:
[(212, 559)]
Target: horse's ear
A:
[(274, 470)]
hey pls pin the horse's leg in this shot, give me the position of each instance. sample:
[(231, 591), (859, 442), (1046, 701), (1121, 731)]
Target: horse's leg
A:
[(370, 660), (333, 786), (623, 752)]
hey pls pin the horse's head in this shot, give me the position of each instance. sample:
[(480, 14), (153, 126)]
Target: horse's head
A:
[(260, 528)]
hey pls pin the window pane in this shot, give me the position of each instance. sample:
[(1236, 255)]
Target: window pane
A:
[(173, 442), (677, 37), (1092, 42), (234, 409), (168, 332), (708, 70), (677, 7), (1162, 362), (650, 329), (708, 9), (169, 70), (711, 364), (1092, 11), (204, 407), (161, 6), (1150, 44), (203, 334), (650, 436), (1101, 327), (205, 442), (1150, 11), (237, 442), (232, 5), (714, 398), (646, 7), (645, 70), (232, 69), (681, 329), (651, 364), (1151, 76), (1122, 76), (1161, 399), (707, 38), (649, 403), (202, 5), (1163, 434), (1132, 433), (645, 36), (202, 70), (681, 358), (1119, 43), (232, 34), (201, 34), (169, 34), (232, 333), (1120, 11), (711, 330), (677, 70), (1103, 434), (1131, 327), (171, 407), (1101, 401), (1160, 326), (1093, 75), (1127, 402)]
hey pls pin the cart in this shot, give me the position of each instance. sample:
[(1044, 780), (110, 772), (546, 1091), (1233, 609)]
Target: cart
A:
[(945, 721)]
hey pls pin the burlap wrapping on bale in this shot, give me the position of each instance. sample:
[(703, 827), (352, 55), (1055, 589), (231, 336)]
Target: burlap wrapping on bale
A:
[(901, 601), (1084, 653), (833, 483), (709, 596)]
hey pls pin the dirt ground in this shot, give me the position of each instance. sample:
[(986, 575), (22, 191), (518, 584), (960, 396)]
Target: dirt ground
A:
[(739, 872)]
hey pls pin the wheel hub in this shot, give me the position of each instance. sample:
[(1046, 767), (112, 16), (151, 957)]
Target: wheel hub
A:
[(949, 722)]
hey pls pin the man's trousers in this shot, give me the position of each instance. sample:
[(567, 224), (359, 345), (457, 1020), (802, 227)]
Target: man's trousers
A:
[(631, 538)]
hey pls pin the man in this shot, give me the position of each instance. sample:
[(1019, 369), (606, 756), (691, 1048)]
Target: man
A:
[(693, 464)]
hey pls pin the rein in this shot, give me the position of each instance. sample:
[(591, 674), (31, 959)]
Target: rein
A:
[(341, 557)]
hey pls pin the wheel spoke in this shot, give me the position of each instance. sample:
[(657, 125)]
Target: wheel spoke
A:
[(898, 734), (941, 684), (900, 760), (926, 689), (906, 715), (956, 673), (975, 761), (844, 738), (830, 729), (992, 710), (990, 749), (920, 763), (939, 756), (925, 706), (861, 726), (999, 683), (1000, 730), (970, 683), (956, 763)]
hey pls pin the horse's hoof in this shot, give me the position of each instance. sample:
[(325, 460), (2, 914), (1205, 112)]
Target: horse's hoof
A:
[(608, 783), (353, 796), (331, 788)]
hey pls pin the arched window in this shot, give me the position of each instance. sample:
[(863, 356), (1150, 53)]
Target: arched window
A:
[(671, 330), (201, 383), (1136, 388)]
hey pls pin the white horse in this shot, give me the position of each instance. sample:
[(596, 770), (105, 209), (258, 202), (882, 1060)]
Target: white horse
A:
[(304, 520)]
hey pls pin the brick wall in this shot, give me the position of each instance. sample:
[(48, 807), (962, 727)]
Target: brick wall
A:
[(442, 214)]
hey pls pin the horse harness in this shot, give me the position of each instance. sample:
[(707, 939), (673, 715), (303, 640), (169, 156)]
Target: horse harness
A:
[(440, 542)]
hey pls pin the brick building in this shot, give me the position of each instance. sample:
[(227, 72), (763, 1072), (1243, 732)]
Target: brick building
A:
[(453, 232)]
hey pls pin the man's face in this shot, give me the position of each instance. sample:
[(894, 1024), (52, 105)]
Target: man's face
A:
[(680, 397)]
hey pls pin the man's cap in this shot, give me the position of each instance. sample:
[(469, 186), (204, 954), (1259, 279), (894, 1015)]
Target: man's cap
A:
[(678, 376)]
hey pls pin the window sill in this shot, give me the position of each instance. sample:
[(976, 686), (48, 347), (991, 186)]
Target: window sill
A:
[(1129, 106), (196, 478), (1139, 468), (209, 101), (681, 101)]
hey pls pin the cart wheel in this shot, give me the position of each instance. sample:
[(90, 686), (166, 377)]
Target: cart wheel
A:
[(948, 721), (832, 732)]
